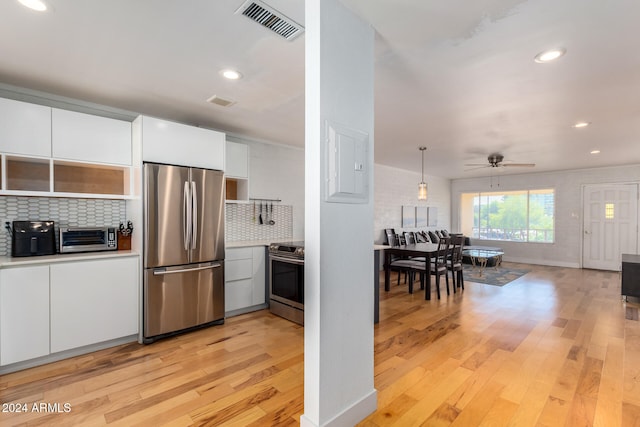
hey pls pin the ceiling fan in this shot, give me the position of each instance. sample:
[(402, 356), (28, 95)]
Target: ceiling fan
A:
[(495, 161)]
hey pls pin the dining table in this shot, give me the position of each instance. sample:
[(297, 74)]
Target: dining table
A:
[(425, 250)]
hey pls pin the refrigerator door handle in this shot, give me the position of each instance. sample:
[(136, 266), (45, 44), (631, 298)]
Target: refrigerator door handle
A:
[(194, 215), (186, 218), (185, 270)]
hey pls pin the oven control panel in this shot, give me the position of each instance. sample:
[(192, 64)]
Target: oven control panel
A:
[(292, 251)]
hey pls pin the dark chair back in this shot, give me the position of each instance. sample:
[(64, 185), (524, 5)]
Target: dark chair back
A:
[(389, 232), (420, 238), (443, 252), (457, 242), (433, 237), (409, 237)]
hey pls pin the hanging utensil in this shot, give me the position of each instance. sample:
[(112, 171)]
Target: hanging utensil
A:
[(254, 212), (271, 221), (260, 217)]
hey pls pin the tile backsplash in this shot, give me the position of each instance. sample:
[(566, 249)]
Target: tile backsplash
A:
[(243, 222), (64, 212)]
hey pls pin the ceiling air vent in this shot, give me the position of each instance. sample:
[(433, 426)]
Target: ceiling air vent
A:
[(269, 17), (215, 99)]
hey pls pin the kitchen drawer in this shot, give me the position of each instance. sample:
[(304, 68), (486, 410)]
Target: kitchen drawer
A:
[(245, 279), (238, 253), (238, 294), (238, 269)]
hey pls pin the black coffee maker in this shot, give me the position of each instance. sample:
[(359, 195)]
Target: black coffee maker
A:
[(32, 238)]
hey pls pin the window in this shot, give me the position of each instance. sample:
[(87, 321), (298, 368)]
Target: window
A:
[(609, 210), (518, 216)]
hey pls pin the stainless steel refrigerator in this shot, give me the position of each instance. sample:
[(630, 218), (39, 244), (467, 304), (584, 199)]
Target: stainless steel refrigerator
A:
[(183, 249)]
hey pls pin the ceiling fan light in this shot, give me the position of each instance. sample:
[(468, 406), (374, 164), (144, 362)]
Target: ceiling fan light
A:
[(422, 191)]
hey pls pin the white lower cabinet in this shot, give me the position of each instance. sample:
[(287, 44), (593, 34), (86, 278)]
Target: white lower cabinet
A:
[(24, 313), (93, 301), (57, 306), (245, 278)]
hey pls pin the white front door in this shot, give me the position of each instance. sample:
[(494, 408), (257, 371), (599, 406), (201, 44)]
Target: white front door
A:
[(610, 215)]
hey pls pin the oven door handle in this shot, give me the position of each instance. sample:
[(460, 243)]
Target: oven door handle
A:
[(287, 260)]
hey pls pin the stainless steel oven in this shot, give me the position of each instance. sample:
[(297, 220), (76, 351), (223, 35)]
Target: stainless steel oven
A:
[(286, 280)]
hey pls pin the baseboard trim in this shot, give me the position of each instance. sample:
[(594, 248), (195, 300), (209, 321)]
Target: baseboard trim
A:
[(66, 354), (351, 416), (537, 261)]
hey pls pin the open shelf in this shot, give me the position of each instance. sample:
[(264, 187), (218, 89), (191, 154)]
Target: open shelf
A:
[(28, 174), (90, 179), (236, 189), (31, 176)]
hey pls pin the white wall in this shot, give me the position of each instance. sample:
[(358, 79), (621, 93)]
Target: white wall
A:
[(277, 172), (397, 187), (338, 265), (567, 249)]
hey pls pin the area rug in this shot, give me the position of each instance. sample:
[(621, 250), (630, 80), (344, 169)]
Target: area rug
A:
[(492, 276)]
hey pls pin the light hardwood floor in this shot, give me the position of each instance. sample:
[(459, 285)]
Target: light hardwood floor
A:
[(557, 347)]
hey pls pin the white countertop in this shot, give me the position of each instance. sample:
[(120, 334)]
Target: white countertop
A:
[(247, 243), (7, 261)]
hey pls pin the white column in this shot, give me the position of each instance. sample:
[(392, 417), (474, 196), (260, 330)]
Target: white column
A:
[(338, 377)]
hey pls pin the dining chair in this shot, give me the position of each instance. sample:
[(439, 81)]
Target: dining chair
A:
[(401, 239), (401, 265), (409, 237), (438, 267), (455, 262), (389, 232)]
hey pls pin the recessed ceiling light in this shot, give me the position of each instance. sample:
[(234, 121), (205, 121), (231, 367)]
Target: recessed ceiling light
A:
[(230, 74), (38, 5), (581, 124), (549, 55), (595, 151)]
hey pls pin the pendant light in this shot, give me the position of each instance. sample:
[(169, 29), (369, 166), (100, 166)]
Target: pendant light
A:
[(422, 187)]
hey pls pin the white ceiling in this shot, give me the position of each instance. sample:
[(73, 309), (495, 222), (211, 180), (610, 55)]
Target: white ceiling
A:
[(457, 76)]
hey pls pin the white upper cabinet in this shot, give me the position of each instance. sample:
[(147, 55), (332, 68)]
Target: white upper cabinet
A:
[(237, 160), (183, 145), (25, 128), (85, 137)]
